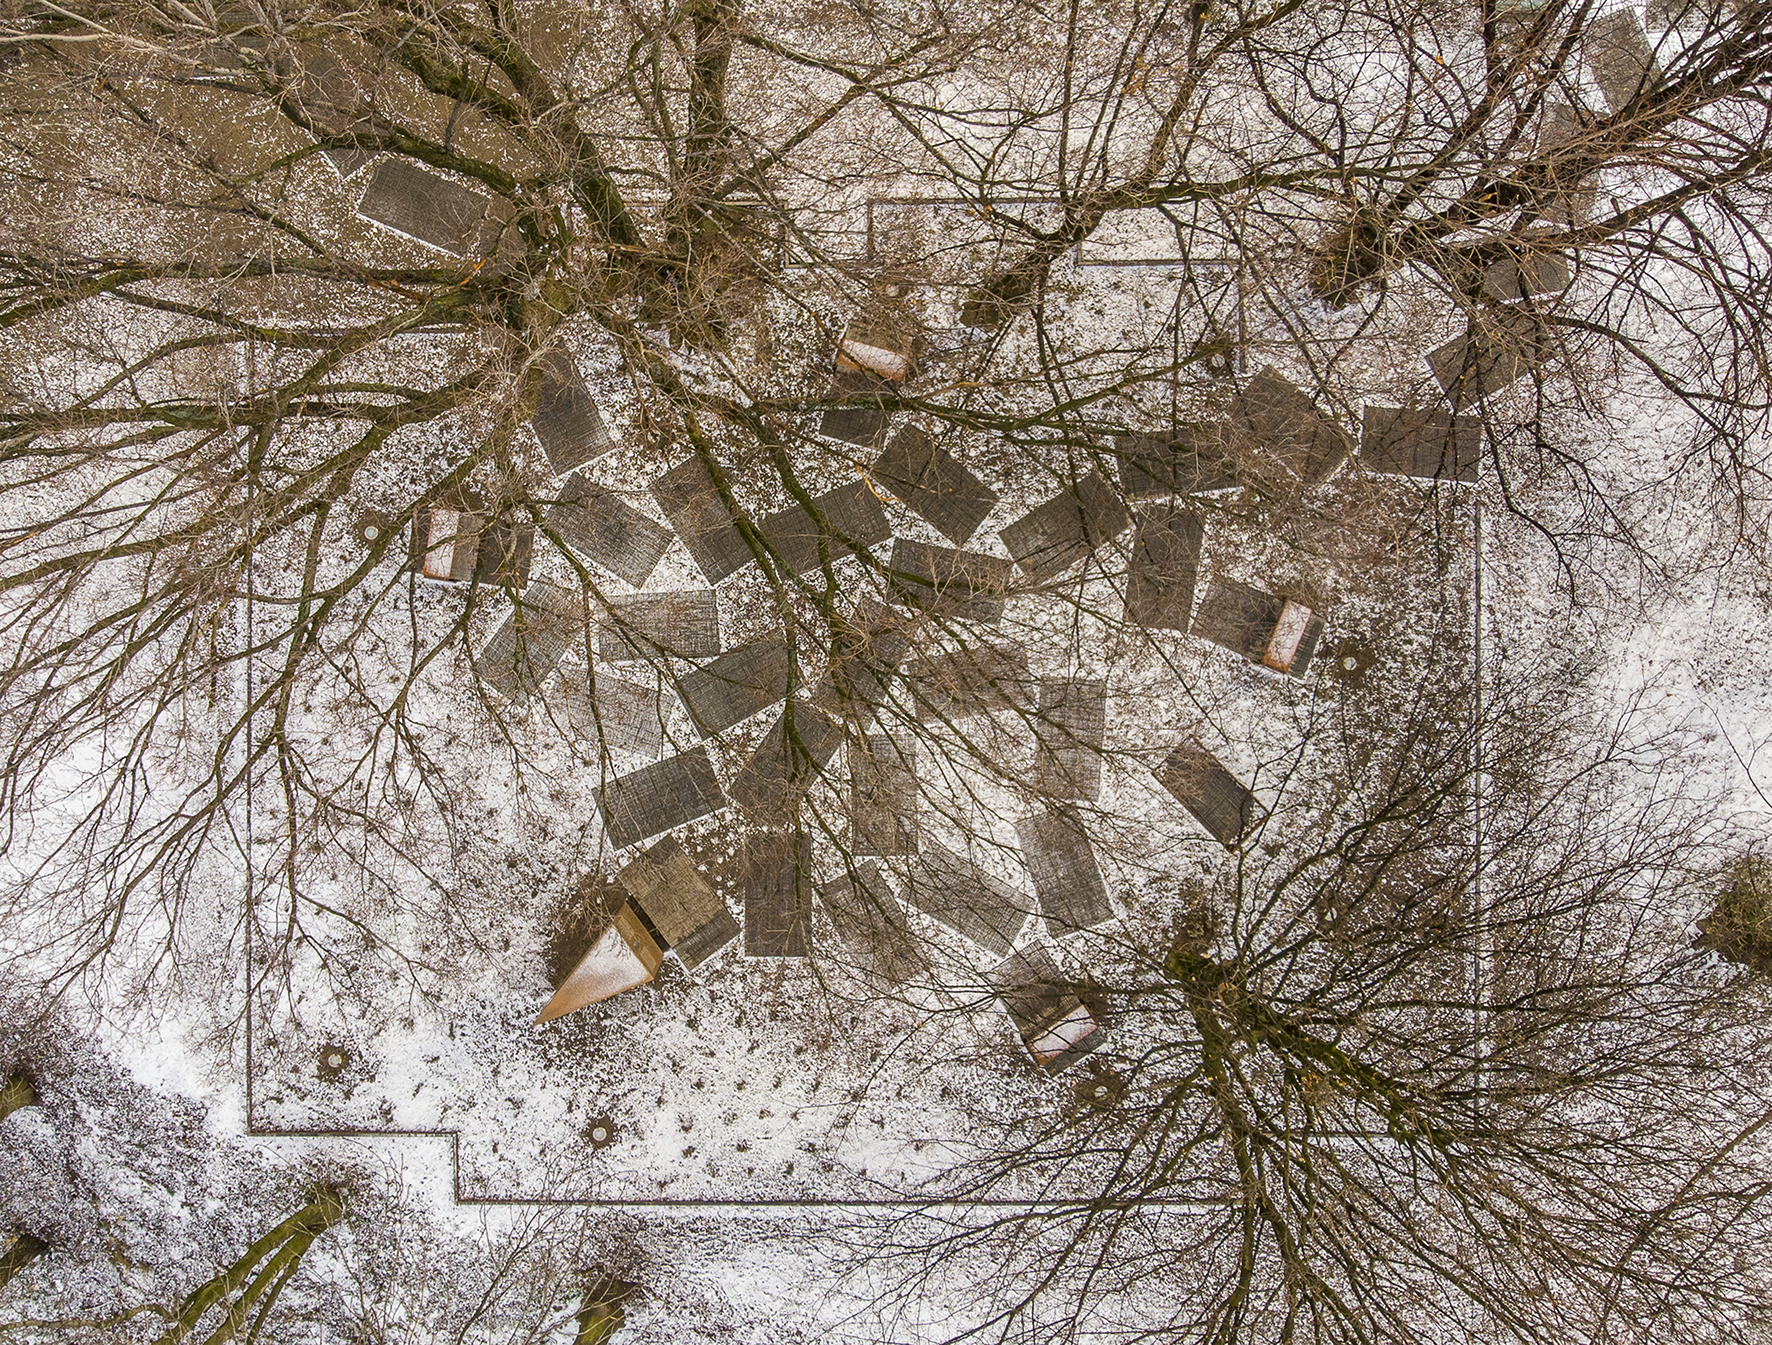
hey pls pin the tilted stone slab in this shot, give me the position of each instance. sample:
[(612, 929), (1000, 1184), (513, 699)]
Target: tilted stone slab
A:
[(566, 418), (957, 894), (1060, 533), (655, 625), (791, 757), (963, 585), (979, 679), (638, 806), (852, 518), (1066, 877), (1216, 798), (1188, 460), (622, 716), (1054, 1024), (933, 484), (1619, 54), (738, 684), (423, 205), (1068, 730), (544, 624), (1430, 444), (605, 529), (1500, 347), (1163, 567), (1281, 418), (1266, 628), (678, 902), (884, 797), (777, 895), (687, 496)]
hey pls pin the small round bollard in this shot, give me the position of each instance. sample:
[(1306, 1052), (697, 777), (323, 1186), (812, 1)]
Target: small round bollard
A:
[(600, 1131), (334, 1061)]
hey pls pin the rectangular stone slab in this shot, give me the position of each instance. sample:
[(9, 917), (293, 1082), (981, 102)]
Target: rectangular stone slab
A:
[(640, 805), (933, 484), (423, 205), (1184, 461), (956, 893), (777, 895), (1052, 537), (883, 796), (687, 496), (976, 680), (680, 903), (656, 625), (1163, 567), (566, 418), (1243, 618), (1067, 879), (1281, 418), (621, 715), (1431, 444), (605, 529), (543, 625), (737, 685), (1216, 798), (853, 518), (1068, 725), (787, 762), (1500, 347), (962, 585)]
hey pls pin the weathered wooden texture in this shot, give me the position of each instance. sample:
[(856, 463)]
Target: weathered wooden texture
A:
[(883, 796), (1053, 1022), (655, 625), (688, 497), (961, 585), (655, 798), (870, 367), (957, 894), (424, 206), (1163, 567), (1067, 880), (1692, 13), (1068, 727), (1432, 444), (787, 762), (737, 685), (544, 624), (1572, 192), (566, 418), (626, 956), (1619, 54), (1184, 461), (1500, 347), (1266, 628), (604, 529), (933, 484), (867, 917), (620, 715), (1280, 418), (866, 650), (852, 519), (1215, 797), (1052, 537), (777, 895), (678, 902), (456, 539), (975, 680)]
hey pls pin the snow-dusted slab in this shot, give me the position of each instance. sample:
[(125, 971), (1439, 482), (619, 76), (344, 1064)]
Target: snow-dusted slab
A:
[(664, 885), (934, 484), (1055, 1025), (1500, 347), (656, 625), (423, 205), (883, 796), (544, 624), (852, 518), (1619, 54), (1430, 444), (869, 919), (1279, 417), (791, 756), (1267, 628), (777, 895), (866, 651), (655, 798), (1068, 729), (978, 679), (1163, 567), (964, 585), (956, 893), (566, 418), (689, 498), (1186, 460), (738, 684), (604, 529), (619, 715), (1067, 880), (1216, 798), (1052, 537)]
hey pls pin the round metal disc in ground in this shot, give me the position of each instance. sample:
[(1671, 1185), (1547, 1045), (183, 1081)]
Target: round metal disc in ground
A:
[(333, 1061), (600, 1132)]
